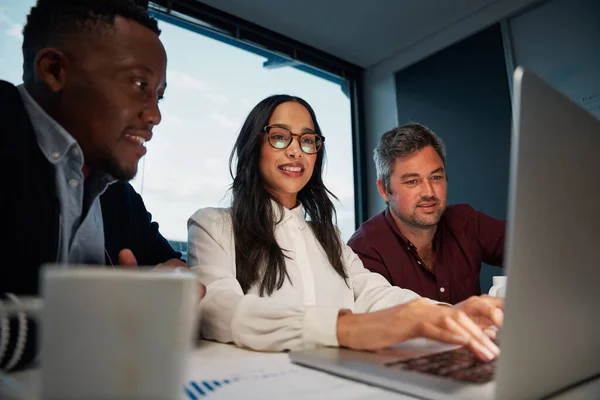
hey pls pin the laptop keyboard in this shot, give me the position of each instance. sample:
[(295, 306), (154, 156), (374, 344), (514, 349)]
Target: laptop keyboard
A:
[(460, 364)]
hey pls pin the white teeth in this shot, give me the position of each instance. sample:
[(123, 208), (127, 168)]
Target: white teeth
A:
[(291, 169), (140, 140)]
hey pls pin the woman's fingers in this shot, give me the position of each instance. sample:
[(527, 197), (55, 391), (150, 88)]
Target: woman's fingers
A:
[(432, 331), (481, 342), (486, 309), (480, 351), (451, 332), (491, 333), (421, 318)]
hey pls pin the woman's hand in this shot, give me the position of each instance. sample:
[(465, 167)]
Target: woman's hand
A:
[(461, 324)]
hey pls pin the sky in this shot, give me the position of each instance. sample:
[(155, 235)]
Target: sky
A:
[(212, 87)]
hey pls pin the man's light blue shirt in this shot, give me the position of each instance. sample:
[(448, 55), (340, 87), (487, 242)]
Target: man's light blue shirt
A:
[(81, 238)]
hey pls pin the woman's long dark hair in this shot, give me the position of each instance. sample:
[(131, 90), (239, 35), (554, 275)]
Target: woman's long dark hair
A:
[(257, 254)]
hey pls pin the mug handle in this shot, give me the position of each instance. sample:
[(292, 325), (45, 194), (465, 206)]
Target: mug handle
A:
[(494, 291), (32, 306)]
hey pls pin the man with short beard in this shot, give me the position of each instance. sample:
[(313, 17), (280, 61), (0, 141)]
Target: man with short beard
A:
[(419, 242)]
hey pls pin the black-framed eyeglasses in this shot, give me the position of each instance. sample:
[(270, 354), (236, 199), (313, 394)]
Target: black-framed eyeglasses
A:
[(281, 138)]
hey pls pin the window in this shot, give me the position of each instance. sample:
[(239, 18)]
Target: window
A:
[(12, 18), (212, 86)]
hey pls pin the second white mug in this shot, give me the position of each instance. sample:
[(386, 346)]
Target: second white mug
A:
[(498, 288)]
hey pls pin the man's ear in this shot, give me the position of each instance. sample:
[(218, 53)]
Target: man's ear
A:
[(383, 191), (50, 67)]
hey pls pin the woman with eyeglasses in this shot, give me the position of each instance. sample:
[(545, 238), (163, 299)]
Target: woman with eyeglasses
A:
[(277, 274)]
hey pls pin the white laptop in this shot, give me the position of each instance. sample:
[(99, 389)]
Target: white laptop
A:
[(551, 335)]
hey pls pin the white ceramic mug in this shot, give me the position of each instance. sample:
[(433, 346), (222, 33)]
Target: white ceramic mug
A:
[(498, 288), (116, 334)]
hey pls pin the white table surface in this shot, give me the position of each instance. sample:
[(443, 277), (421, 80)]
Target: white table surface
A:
[(211, 350)]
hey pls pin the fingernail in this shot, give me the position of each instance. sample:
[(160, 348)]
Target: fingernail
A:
[(487, 353), (491, 333), (490, 356), (499, 315), (492, 346)]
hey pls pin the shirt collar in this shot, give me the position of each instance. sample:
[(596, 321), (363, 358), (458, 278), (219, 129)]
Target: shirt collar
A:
[(53, 139), (296, 215)]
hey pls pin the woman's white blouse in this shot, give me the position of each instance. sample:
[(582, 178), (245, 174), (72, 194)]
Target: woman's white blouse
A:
[(304, 312)]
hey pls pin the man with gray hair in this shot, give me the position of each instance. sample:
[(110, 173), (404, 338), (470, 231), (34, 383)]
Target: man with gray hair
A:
[(418, 242)]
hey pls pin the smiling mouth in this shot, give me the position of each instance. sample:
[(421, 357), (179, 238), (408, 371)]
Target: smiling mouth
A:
[(291, 169), (140, 141)]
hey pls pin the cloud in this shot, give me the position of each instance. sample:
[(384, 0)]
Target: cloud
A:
[(182, 80), (15, 31), (223, 120), (217, 98)]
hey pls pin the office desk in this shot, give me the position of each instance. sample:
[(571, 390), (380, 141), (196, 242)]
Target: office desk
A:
[(209, 352), (218, 360)]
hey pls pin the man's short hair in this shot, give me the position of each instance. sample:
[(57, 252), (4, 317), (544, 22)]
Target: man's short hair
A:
[(402, 141), (49, 19)]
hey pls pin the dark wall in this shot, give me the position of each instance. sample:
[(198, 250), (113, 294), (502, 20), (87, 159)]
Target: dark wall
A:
[(462, 94)]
